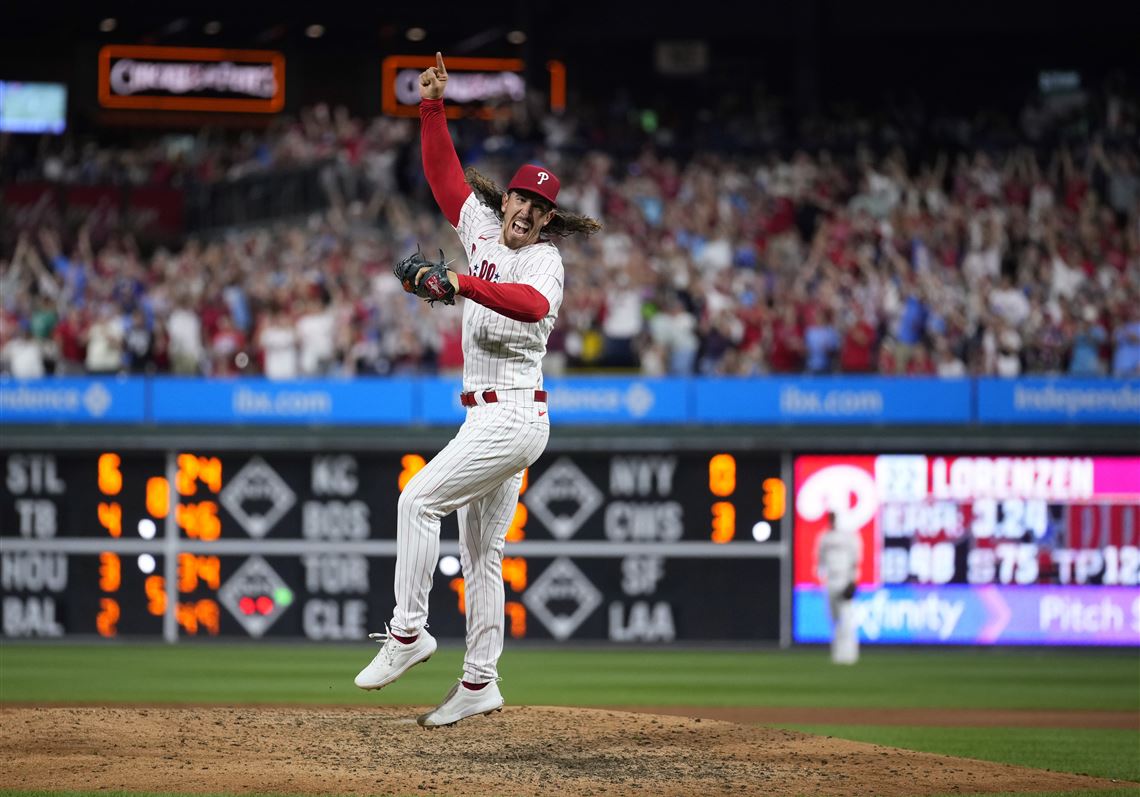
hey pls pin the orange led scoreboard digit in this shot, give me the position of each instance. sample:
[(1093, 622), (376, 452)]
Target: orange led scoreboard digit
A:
[(657, 546), (80, 536)]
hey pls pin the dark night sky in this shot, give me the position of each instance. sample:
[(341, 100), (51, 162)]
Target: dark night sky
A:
[(961, 54)]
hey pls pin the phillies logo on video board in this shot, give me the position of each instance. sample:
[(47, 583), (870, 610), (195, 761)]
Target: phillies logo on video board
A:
[(191, 79), (846, 486)]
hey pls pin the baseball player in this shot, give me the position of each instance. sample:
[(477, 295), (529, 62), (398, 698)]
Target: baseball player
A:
[(514, 290), (839, 553)]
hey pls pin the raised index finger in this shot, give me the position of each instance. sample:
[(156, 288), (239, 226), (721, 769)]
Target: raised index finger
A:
[(439, 64)]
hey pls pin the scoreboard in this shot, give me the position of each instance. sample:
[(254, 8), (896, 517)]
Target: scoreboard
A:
[(976, 549), (650, 546)]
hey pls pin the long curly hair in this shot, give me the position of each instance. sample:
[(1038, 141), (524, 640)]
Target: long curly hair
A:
[(563, 224)]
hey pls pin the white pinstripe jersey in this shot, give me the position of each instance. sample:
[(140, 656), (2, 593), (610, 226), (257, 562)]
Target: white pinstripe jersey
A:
[(499, 352)]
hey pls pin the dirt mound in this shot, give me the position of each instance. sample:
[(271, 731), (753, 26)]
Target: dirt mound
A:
[(927, 717), (525, 750)]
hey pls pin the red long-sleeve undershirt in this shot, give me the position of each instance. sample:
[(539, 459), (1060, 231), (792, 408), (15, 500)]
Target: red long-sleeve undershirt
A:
[(444, 173), (515, 300), (441, 164)]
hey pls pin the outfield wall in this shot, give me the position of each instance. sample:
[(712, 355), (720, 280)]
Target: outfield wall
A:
[(653, 533), (420, 401)]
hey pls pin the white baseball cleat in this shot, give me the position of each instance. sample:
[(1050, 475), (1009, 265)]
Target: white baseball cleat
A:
[(394, 659), (462, 703)]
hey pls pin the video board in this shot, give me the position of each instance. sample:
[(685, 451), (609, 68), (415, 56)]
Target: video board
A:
[(996, 550)]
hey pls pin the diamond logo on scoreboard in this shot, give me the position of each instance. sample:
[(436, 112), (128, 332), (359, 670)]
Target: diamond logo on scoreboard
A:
[(562, 598), (563, 498), (257, 497), (255, 595)]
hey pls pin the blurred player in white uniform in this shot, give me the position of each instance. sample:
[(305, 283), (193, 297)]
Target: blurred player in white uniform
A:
[(838, 555), (514, 290)]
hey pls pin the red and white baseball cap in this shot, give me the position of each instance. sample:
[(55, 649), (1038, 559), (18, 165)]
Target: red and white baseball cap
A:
[(537, 180)]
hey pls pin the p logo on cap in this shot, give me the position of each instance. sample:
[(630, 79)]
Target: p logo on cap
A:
[(537, 180)]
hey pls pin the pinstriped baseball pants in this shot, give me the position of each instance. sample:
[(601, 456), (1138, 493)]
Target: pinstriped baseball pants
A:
[(477, 474)]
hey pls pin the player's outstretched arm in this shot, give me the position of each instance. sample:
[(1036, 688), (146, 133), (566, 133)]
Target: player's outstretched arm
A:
[(441, 163)]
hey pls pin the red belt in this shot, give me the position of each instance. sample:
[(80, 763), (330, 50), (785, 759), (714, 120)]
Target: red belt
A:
[(490, 397)]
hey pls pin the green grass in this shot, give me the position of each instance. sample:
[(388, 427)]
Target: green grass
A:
[(268, 673), (1086, 751)]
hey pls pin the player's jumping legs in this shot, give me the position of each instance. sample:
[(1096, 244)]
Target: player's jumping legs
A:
[(495, 443), (483, 526)]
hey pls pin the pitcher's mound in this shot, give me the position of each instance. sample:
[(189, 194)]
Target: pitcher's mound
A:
[(525, 750)]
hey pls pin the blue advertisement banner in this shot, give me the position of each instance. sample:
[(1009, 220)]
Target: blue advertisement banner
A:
[(73, 400), (959, 614), (261, 401), (439, 401), (1058, 401), (833, 399), (589, 400), (585, 400), (579, 400)]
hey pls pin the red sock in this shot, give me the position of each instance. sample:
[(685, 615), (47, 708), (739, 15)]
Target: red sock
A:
[(469, 685), (404, 640)]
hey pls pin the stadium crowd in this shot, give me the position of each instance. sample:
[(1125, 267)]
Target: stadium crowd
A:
[(850, 253)]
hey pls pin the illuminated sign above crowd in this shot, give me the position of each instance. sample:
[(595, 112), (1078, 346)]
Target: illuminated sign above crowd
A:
[(191, 79), (475, 86)]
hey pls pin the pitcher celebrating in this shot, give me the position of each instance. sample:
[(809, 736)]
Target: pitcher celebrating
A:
[(514, 290)]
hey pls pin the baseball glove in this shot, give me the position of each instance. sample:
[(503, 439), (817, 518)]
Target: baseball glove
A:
[(434, 285), (849, 591)]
